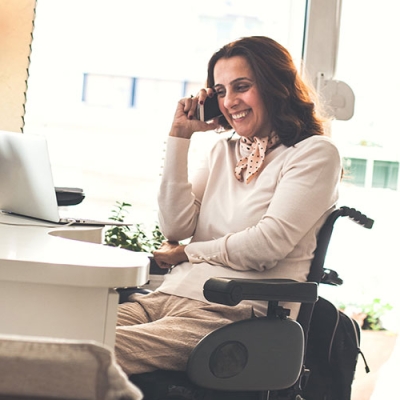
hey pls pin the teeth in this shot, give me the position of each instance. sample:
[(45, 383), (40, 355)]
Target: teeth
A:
[(240, 115)]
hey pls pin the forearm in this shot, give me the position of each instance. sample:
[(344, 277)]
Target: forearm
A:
[(178, 207)]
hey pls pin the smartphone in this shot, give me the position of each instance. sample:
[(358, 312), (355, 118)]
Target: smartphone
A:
[(209, 109)]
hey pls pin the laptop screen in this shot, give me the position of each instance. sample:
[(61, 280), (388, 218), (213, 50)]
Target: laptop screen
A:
[(26, 179)]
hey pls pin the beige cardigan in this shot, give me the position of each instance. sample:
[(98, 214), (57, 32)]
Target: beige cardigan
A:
[(264, 229)]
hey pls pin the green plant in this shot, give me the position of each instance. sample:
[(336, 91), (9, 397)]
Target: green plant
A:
[(374, 312), (368, 315), (126, 237)]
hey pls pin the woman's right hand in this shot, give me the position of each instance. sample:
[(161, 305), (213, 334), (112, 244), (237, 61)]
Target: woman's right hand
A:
[(170, 254), (185, 121)]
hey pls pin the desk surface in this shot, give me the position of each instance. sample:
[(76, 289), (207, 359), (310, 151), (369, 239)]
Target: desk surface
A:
[(30, 253)]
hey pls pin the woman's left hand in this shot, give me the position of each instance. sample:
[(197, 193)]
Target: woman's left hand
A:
[(169, 254)]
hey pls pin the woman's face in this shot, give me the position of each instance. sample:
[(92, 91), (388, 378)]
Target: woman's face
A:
[(239, 98)]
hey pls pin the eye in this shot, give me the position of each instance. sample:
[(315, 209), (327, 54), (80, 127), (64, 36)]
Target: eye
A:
[(243, 87), (220, 92)]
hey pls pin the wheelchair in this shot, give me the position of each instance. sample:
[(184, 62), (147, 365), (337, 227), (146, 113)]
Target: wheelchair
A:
[(263, 358)]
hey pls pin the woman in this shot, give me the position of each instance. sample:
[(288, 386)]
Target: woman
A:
[(252, 211)]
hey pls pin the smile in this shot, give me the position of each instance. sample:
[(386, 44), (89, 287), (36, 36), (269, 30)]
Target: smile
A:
[(240, 115)]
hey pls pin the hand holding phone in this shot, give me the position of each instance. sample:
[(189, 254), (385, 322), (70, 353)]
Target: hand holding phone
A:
[(209, 109)]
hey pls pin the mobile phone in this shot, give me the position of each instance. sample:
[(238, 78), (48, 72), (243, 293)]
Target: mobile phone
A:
[(209, 109)]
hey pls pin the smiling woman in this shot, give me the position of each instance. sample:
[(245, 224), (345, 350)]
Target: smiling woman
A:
[(279, 197)]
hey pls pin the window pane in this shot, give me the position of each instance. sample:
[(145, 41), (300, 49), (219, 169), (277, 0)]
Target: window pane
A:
[(108, 90), (354, 171), (105, 78), (159, 91), (385, 174)]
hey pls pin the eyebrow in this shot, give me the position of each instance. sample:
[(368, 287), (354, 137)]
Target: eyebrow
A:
[(235, 81)]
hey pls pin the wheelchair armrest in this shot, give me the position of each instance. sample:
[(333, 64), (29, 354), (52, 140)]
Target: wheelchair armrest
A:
[(232, 291)]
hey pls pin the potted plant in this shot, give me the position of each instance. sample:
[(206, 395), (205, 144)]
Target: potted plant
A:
[(134, 238), (368, 315), (374, 311)]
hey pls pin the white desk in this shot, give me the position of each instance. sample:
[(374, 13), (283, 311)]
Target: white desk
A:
[(57, 287)]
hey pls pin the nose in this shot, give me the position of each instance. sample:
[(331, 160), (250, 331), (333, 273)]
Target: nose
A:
[(230, 99)]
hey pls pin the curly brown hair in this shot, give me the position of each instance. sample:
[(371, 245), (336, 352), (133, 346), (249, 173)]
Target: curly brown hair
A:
[(289, 100)]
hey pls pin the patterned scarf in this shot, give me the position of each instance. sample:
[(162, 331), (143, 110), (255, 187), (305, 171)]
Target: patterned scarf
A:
[(248, 166)]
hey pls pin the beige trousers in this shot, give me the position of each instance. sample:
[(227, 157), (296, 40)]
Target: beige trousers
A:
[(158, 331)]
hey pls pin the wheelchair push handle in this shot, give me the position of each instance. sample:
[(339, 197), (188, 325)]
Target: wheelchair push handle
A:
[(357, 216)]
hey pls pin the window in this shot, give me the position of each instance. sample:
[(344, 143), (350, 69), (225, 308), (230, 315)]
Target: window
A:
[(371, 173), (385, 175), (103, 87), (108, 91), (355, 171), (370, 144), (153, 93)]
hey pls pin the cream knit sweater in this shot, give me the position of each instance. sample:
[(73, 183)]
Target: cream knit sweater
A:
[(264, 229)]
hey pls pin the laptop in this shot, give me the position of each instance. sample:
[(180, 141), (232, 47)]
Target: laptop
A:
[(26, 181)]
